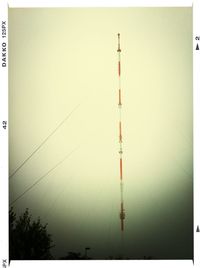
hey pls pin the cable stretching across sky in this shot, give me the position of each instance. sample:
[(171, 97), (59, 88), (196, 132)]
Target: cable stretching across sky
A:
[(43, 142), (122, 210), (43, 176)]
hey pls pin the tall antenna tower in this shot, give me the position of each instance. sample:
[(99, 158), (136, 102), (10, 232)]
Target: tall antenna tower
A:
[(122, 210)]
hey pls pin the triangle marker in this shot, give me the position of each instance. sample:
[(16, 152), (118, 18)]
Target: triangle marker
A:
[(197, 47)]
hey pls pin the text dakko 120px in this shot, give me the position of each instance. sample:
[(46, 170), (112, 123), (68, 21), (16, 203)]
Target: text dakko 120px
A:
[(3, 44)]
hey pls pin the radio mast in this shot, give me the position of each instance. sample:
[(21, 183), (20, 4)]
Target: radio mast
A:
[(122, 209)]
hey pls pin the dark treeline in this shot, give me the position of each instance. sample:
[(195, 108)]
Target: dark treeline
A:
[(30, 240)]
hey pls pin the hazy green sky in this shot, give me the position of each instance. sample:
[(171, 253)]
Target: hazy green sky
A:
[(59, 58)]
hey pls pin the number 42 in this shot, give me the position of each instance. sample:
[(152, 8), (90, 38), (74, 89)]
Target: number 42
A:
[(4, 123)]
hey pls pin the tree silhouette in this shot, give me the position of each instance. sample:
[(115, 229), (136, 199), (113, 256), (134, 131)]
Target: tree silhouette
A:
[(76, 256), (28, 240), (72, 256)]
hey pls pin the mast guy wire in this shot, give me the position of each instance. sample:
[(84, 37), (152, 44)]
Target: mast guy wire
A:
[(44, 141), (43, 176)]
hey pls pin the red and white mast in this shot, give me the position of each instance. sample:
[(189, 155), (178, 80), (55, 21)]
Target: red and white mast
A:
[(122, 209)]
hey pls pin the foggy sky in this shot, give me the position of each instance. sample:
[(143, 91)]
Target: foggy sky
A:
[(61, 58)]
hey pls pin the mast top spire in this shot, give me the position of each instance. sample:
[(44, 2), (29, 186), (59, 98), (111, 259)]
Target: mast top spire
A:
[(119, 49)]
